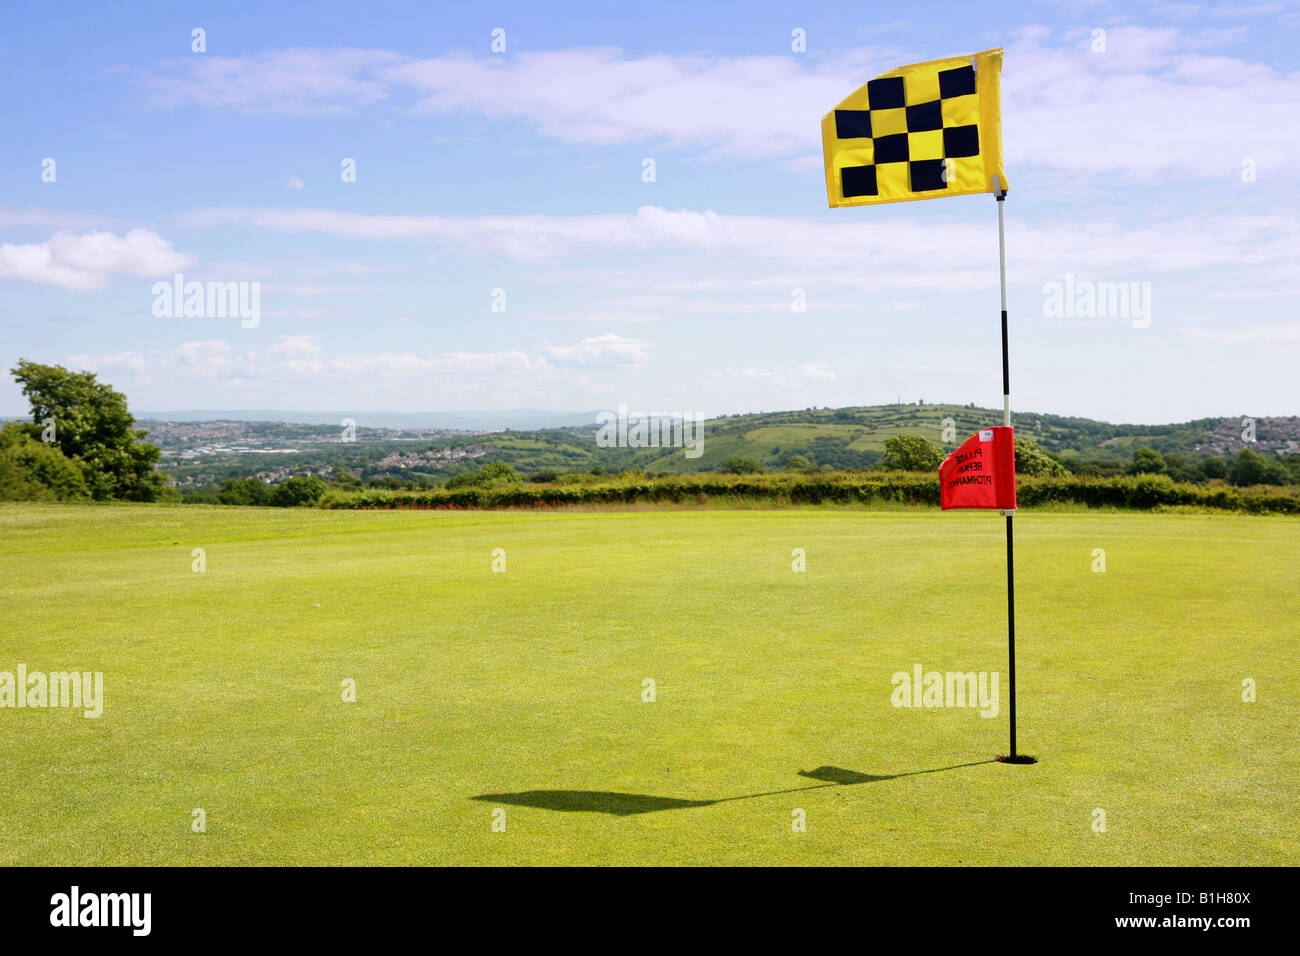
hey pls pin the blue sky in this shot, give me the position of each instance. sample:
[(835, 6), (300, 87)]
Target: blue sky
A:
[(1164, 154)]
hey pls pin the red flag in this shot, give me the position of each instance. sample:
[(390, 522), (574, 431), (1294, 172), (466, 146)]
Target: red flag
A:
[(982, 472)]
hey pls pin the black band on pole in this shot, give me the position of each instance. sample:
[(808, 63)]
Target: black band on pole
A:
[(1006, 364), (1002, 268)]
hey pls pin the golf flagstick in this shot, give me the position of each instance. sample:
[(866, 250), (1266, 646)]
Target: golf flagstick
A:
[(928, 131), (1001, 195)]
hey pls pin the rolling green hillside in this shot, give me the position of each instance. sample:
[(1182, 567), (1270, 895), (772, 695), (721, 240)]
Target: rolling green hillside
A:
[(831, 438), (855, 438)]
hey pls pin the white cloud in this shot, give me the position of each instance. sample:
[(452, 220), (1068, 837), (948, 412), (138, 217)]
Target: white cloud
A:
[(520, 237), (294, 347), (293, 182), (206, 359), (756, 106), (1252, 335), (512, 360), (784, 253), (292, 81), (300, 356), (303, 356), (129, 362), (1225, 10), (605, 351), (56, 219), (796, 376), (1156, 102), (959, 371), (289, 288), (86, 261)]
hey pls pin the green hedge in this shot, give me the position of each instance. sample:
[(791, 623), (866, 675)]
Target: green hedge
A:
[(1138, 491)]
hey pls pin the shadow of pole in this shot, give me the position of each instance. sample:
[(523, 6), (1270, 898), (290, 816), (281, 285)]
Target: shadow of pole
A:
[(629, 804)]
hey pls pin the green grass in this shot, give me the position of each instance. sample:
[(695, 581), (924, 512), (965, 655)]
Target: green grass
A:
[(223, 689)]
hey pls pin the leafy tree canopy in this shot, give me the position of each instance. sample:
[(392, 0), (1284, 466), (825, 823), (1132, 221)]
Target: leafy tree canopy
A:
[(1147, 462), (1252, 468), (912, 453), (740, 465), (1032, 460), (32, 470), (299, 490), (92, 427)]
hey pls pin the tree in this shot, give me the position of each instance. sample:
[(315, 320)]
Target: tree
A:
[(1176, 467), (1275, 473), (1147, 461), (738, 465), (1249, 468), (492, 474), (33, 470), (798, 463), (296, 491), (466, 479), (912, 453), (498, 473), (1292, 463), (1032, 460), (92, 428), (244, 491), (1252, 468), (1213, 467)]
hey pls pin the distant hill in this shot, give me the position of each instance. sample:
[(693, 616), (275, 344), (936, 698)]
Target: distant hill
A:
[(459, 421), (855, 437), (833, 438)]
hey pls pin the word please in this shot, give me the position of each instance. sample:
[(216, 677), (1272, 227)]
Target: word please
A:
[(56, 689), (951, 689)]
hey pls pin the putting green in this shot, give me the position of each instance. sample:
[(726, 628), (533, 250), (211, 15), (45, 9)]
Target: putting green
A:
[(518, 695)]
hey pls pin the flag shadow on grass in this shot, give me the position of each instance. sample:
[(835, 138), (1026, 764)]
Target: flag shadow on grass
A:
[(630, 804)]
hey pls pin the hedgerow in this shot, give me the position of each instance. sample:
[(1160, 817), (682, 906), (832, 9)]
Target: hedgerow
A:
[(1136, 491)]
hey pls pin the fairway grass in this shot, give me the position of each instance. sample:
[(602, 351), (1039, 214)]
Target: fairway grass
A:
[(223, 689)]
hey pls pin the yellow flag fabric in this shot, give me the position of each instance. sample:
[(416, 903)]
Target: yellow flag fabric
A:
[(923, 131)]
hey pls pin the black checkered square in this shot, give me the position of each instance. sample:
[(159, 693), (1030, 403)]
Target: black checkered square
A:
[(885, 94), (924, 116), (924, 175), (858, 181), (891, 149), (961, 141), (853, 124), (958, 82)]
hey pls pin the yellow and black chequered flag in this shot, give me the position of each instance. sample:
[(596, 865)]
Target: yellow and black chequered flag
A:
[(918, 132)]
